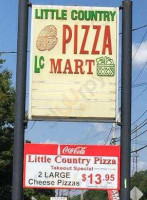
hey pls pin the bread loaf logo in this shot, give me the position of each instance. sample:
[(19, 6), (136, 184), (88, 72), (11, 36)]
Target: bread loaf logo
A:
[(47, 38)]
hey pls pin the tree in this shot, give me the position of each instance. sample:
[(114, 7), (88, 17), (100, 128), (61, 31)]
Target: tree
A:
[(42, 194), (7, 98), (92, 195), (39, 194), (95, 195), (139, 180), (76, 197), (7, 110)]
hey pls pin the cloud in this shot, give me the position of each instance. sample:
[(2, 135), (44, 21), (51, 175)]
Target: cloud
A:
[(101, 142), (142, 165), (49, 142), (100, 127), (139, 54)]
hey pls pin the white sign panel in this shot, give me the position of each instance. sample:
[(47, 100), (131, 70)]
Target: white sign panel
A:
[(74, 63), (71, 166)]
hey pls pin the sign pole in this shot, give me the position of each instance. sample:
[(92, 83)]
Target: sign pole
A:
[(17, 191), (126, 99)]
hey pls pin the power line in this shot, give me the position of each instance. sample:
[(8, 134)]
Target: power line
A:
[(139, 95), (140, 72), (136, 29), (140, 142), (142, 124), (108, 135), (141, 27), (10, 52), (139, 45), (139, 149), (86, 139), (137, 85), (139, 135), (89, 131), (31, 127), (139, 117)]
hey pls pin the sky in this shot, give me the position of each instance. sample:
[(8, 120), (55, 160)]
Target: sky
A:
[(83, 133)]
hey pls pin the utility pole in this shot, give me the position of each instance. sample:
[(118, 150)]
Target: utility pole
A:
[(136, 160), (133, 162), (82, 192), (126, 99), (114, 134), (68, 194), (136, 153), (58, 192), (17, 185)]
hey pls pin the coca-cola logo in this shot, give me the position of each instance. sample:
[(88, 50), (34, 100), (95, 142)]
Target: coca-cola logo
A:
[(76, 150)]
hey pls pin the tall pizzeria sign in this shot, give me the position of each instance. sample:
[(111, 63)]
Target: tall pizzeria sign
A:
[(74, 63)]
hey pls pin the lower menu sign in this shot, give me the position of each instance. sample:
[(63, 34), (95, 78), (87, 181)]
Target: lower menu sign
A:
[(71, 166)]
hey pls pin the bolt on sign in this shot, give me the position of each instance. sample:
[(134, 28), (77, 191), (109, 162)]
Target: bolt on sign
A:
[(74, 63), (71, 166)]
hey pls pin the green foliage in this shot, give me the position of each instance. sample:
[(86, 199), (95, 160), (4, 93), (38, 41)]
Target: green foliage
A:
[(76, 197), (1, 61), (5, 192), (39, 194), (7, 109), (95, 195), (139, 180), (92, 195), (7, 97), (28, 193), (43, 194)]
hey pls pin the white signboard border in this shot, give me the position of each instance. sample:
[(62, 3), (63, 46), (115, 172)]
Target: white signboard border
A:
[(44, 160), (76, 119)]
